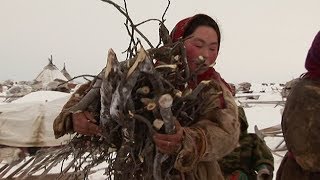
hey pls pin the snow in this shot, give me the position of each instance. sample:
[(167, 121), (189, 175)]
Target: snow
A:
[(262, 115), (41, 96)]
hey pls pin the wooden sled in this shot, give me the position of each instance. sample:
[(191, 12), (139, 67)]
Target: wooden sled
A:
[(273, 131), (248, 103)]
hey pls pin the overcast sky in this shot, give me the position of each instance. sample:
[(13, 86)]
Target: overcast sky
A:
[(262, 40)]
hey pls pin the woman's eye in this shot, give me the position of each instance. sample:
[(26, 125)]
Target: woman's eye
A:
[(213, 48), (198, 45)]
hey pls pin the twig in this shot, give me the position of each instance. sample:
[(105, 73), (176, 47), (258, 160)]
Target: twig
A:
[(129, 19)]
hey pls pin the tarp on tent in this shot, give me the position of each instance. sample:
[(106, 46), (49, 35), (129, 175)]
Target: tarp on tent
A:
[(29, 121)]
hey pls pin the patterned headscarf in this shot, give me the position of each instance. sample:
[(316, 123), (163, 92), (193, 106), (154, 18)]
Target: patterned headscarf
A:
[(313, 59)]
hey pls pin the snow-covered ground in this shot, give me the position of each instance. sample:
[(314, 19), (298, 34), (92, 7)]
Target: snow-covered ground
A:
[(262, 115)]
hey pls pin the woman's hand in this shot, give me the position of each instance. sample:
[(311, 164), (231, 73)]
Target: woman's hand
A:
[(84, 123), (169, 143)]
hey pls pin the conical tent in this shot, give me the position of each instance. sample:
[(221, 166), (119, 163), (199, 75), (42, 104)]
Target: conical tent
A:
[(65, 72), (49, 73)]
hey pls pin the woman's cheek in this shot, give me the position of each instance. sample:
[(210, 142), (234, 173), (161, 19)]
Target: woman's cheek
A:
[(212, 59), (192, 52)]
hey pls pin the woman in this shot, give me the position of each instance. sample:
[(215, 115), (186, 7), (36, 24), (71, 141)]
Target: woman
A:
[(216, 131), (301, 123)]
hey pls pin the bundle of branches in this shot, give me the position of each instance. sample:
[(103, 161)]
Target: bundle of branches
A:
[(136, 98)]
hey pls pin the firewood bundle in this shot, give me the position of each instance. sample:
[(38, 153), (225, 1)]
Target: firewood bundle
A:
[(136, 98)]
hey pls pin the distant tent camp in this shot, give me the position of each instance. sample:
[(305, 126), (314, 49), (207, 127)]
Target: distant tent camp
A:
[(65, 72), (49, 73)]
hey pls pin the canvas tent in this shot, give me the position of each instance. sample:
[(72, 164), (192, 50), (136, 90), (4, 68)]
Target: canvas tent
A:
[(49, 73), (28, 121), (65, 72)]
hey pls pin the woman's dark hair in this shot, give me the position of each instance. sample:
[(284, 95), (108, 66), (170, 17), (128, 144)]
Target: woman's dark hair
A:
[(201, 20)]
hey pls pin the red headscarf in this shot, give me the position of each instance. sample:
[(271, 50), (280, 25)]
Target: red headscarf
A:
[(313, 59), (179, 29), (177, 33)]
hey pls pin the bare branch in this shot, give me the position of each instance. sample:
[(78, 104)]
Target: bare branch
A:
[(129, 19)]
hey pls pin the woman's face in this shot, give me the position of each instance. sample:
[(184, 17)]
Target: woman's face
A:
[(203, 42)]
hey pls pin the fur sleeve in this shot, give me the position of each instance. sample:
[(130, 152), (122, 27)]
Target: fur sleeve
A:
[(63, 122), (215, 134)]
